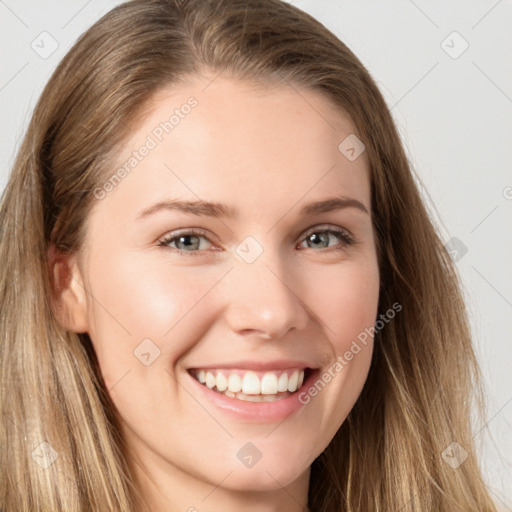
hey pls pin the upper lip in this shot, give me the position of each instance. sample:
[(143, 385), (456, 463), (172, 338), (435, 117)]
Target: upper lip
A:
[(261, 366)]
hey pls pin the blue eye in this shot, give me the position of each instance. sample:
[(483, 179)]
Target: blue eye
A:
[(189, 242), (324, 235)]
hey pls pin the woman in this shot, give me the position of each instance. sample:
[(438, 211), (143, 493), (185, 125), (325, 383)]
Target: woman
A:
[(173, 336)]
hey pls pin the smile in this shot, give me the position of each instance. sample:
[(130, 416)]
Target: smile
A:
[(252, 386)]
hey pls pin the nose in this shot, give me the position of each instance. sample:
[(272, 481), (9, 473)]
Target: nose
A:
[(263, 298)]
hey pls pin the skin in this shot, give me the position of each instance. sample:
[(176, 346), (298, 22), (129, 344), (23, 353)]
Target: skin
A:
[(265, 150)]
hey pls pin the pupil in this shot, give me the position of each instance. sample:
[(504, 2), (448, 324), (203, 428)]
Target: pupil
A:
[(186, 240), (316, 237)]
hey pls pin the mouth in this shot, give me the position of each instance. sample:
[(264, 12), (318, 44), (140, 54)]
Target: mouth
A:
[(253, 386)]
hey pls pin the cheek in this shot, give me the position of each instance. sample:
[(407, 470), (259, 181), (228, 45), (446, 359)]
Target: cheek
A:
[(132, 301), (348, 310), (346, 302)]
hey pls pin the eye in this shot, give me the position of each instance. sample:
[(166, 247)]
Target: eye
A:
[(187, 242), (320, 237)]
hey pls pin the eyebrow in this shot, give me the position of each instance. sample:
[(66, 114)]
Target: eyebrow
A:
[(220, 210)]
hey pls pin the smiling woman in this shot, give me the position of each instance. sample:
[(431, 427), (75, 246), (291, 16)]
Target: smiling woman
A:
[(233, 302)]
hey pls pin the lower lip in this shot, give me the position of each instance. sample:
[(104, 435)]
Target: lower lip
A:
[(256, 412)]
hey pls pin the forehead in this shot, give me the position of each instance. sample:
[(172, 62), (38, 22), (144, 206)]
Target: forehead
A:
[(235, 141)]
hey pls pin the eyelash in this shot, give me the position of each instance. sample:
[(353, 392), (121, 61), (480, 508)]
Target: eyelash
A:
[(346, 238)]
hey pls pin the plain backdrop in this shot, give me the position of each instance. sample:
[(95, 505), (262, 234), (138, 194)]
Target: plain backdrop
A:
[(445, 69)]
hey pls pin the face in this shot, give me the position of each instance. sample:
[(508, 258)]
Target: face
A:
[(249, 292)]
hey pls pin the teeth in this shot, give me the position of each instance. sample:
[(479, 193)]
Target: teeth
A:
[(293, 380), (251, 385), (247, 385), (221, 382), (234, 383), (269, 384), (210, 380), (282, 385), (255, 398)]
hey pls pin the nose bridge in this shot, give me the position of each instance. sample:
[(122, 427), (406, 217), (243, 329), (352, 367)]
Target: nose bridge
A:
[(261, 296)]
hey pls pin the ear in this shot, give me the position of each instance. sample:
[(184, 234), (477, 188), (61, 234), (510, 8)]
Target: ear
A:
[(69, 297)]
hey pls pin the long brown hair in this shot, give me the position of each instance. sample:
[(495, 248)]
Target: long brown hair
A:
[(424, 379)]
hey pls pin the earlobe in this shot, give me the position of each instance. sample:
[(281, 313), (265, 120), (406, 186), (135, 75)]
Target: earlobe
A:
[(68, 293)]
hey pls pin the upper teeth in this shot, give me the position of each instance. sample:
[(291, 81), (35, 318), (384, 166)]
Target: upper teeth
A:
[(250, 383)]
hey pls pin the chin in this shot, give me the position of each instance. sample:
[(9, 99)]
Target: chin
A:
[(270, 475)]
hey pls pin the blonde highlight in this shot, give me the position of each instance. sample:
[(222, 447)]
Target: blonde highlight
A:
[(387, 454)]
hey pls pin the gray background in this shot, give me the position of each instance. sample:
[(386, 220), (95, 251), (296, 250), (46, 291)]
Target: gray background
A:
[(454, 112)]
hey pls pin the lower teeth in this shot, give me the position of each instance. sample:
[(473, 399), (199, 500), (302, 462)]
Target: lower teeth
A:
[(254, 398)]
